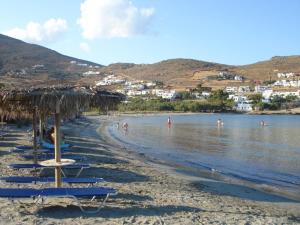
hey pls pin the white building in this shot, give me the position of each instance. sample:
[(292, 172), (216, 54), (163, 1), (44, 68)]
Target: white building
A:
[(260, 88), (244, 106), (238, 98), (91, 73), (285, 75), (284, 94), (238, 77), (205, 94), (230, 89), (134, 93), (171, 95), (268, 94)]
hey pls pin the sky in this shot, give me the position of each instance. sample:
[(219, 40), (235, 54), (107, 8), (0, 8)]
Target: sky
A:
[(234, 32)]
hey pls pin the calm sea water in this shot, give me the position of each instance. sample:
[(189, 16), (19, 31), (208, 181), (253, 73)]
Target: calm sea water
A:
[(241, 149)]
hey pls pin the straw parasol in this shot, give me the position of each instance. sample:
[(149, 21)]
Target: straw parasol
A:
[(62, 101)]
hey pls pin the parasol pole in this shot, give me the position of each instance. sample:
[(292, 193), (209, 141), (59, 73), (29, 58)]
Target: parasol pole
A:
[(41, 128), (34, 134), (57, 145)]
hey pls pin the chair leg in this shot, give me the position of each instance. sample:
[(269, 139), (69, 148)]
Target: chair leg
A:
[(79, 172), (91, 211)]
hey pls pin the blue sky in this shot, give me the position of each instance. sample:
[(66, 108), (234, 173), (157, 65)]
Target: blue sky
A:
[(146, 31)]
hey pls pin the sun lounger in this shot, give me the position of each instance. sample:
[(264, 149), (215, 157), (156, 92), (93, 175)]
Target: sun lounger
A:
[(69, 180), (51, 156), (24, 147), (79, 167), (76, 194), (2, 134)]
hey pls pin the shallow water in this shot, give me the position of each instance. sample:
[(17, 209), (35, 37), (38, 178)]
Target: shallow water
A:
[(241, 149)]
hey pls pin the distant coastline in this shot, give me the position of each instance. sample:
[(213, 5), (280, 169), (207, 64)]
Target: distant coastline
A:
[(295, 111)]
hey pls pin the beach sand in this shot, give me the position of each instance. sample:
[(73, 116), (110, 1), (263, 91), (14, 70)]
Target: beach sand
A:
[(149, 192)]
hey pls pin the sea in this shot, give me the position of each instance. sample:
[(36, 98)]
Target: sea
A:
[(239, 149)]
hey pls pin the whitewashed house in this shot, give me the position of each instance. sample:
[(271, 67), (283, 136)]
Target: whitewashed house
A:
[(238, 77), (244, 106), (230, 89), (238, 98), (91, 73), (260, 88), (171, 95), (205, 94)]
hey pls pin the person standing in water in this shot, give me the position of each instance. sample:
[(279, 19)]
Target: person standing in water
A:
[(169, 122)]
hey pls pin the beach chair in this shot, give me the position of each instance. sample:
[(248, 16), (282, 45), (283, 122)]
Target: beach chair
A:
[(24, 147), (68, 180), (3, 134), (47, 156), (79, 167), (77, 194)]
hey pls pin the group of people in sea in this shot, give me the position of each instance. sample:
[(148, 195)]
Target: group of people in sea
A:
[(220, 122)]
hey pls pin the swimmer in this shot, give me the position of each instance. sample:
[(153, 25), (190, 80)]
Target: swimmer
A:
[(125, 126), (169, 121), (262, 123)]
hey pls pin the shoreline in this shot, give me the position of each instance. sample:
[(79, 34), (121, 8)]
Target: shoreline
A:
[(293, 112), (148, 193)]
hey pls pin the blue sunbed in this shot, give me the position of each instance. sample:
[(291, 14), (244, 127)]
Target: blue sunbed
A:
[(51, 156), (75, 193), (70, 180), (24, 147)]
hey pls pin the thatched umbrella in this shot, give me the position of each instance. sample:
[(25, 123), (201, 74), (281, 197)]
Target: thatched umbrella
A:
[(62, 101)]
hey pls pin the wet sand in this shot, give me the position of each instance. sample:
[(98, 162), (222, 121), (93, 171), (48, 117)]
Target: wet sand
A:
[(149, 192)]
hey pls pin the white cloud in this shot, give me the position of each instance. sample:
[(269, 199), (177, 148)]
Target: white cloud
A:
[(35, 32), (84, 46), (113, 18)]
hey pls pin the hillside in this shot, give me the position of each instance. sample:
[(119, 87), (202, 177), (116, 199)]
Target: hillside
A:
[(175, 72), (23, 63), (265, 69), (19, 60), (188, 72)]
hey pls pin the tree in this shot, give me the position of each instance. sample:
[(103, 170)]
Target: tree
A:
[(218, 95), (255, 98), (185, 95), (159, 83)]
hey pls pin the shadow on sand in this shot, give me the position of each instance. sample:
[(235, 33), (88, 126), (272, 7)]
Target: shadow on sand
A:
[(115, 175), (73, 211), (235, 190)]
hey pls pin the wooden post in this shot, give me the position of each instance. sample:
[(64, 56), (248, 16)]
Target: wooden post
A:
[(57, 146), (41, 128), (34, 135)]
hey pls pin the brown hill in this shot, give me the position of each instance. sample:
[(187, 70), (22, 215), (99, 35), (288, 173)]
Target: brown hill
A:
[(176, 72), (265, 69), (17, 56), (19, 60), (181, 73)]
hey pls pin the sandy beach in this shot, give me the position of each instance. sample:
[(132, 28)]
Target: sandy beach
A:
[(148, 192)]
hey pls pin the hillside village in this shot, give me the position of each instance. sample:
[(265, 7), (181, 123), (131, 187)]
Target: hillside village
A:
[(286, 85)]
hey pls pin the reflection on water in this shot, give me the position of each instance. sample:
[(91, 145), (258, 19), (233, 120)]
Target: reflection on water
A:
[(240, 148)]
